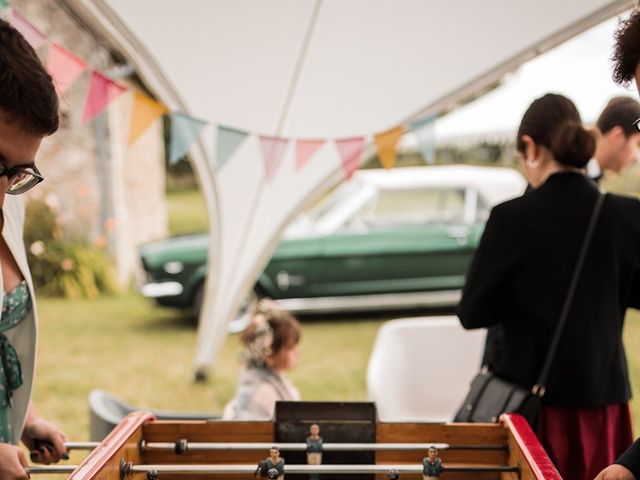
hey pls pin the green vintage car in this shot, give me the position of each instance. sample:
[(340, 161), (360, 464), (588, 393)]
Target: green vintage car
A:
[(384, 240)]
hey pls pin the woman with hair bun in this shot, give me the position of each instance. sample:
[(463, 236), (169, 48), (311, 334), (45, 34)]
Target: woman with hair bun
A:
[(270, 349), (519, 278)]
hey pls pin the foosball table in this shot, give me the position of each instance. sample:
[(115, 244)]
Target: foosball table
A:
[(355, 445)]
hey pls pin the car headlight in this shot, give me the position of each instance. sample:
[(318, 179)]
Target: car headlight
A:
[(173, 268)]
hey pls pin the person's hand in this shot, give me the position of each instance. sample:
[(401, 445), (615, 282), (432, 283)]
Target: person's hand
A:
[(615, 472), (44, 439), (13, 463)]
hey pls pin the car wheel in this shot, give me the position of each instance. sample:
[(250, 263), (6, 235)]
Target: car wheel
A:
[(197, 303), (245, 313)]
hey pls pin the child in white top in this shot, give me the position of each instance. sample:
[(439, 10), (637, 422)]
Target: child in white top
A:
[(270, 349)]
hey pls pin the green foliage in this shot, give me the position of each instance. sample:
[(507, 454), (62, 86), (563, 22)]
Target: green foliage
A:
[(61, 267)]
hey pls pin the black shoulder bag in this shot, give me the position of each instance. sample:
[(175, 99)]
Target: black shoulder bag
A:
[(490, 396)]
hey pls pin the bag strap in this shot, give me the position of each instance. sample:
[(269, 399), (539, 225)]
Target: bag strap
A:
[(539, 388)]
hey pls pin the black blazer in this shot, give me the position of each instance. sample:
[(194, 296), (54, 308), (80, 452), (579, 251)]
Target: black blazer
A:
[(520, 275), (631, 459)]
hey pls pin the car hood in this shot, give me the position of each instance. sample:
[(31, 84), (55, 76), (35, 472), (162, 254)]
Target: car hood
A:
[(186, 248)]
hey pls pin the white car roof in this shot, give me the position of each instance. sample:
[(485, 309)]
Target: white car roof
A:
[(494, 184)]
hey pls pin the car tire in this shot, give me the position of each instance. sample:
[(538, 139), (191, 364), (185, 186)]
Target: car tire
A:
[(196, 306)]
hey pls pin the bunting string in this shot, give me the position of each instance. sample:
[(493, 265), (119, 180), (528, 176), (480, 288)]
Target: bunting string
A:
[(66, 69)]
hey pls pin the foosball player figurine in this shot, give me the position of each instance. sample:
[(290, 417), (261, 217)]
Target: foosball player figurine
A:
[(431, 465), (314, 448), (274, 463), (393, 474)]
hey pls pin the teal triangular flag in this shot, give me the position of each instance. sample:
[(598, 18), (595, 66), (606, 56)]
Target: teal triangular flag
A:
[(229, 139), (4, 4), (185, 131), (424, 130)]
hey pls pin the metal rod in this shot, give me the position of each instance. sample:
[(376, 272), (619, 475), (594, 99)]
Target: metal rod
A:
[(307, 469), (327, 447), (51, 469), (242, 469), (81, 445)]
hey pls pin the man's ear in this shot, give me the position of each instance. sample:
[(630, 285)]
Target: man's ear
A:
[(530, 147), (616, 136)]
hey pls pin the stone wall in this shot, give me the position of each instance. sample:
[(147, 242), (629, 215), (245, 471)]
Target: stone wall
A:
[(104, 191)]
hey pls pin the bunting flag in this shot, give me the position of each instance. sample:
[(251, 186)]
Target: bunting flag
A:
[(305, 150), (229, 139), (3, 4), (273, 149), (34, 36), (64, 67), (102, 91), (350, 151), (387, 143), (185, 131), (425, 132), (144, 111)]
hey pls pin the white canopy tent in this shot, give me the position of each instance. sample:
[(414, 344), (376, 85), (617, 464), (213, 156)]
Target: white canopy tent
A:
[(313, 69)]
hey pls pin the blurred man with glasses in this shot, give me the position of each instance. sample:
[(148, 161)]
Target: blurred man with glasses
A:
[(619, 140), (28, 113)]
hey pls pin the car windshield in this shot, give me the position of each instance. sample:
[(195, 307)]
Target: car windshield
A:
[(321, 216)]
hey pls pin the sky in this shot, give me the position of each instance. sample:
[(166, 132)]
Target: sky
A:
[(579, 69)]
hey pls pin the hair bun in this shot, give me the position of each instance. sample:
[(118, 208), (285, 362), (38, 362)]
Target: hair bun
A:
[(572, 144)]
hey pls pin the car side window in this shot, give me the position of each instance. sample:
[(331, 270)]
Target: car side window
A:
[(393, 208), (482, 211)]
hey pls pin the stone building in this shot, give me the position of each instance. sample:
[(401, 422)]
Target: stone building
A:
[(103, 190)]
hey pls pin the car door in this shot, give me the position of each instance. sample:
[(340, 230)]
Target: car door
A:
[(297, 268), (402, 241)]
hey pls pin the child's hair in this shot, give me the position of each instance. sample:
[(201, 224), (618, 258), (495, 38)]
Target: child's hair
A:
[(271, 330)]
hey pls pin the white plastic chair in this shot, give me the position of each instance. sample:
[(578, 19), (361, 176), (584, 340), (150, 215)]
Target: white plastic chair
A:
[(420, 368)]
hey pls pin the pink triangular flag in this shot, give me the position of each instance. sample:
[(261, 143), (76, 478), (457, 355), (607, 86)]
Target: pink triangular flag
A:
[(350, 150), (64, 67), (273, 149), (305, 150), (34, 36), (102, 91)]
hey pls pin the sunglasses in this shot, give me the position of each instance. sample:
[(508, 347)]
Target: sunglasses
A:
[(22, 178)]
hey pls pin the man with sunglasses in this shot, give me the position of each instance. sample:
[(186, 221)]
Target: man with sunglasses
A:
[(28, 113)]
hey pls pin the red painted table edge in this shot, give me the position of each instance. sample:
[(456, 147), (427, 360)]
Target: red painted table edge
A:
[(116, 439), (540, 463)]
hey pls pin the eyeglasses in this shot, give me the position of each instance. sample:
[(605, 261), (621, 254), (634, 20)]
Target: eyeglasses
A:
[(21, 178), (636, 124)]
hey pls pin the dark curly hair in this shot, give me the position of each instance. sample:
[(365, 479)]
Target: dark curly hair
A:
[(27, 93), (626, 50)]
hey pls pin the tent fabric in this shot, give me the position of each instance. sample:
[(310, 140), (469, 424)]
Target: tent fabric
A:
[(313, 69)]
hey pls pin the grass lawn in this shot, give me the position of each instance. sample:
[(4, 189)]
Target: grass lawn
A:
[(143, 354), (187, 212)]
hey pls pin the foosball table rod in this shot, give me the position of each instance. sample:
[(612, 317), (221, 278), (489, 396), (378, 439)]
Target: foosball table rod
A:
[(182, 446), (128, 469)]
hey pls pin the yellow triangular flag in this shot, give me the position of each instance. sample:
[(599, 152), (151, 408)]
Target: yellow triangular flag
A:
[(386, 143), (144, 111)]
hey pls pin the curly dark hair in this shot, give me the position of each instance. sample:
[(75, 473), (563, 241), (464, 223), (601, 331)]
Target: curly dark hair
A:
[(626, 50), (27, 93)]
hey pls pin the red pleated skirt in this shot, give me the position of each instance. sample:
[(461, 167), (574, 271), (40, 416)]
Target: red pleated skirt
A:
[(583, 441)]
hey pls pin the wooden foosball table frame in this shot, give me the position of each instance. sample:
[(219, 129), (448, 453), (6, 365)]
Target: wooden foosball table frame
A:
[(141, 447)]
